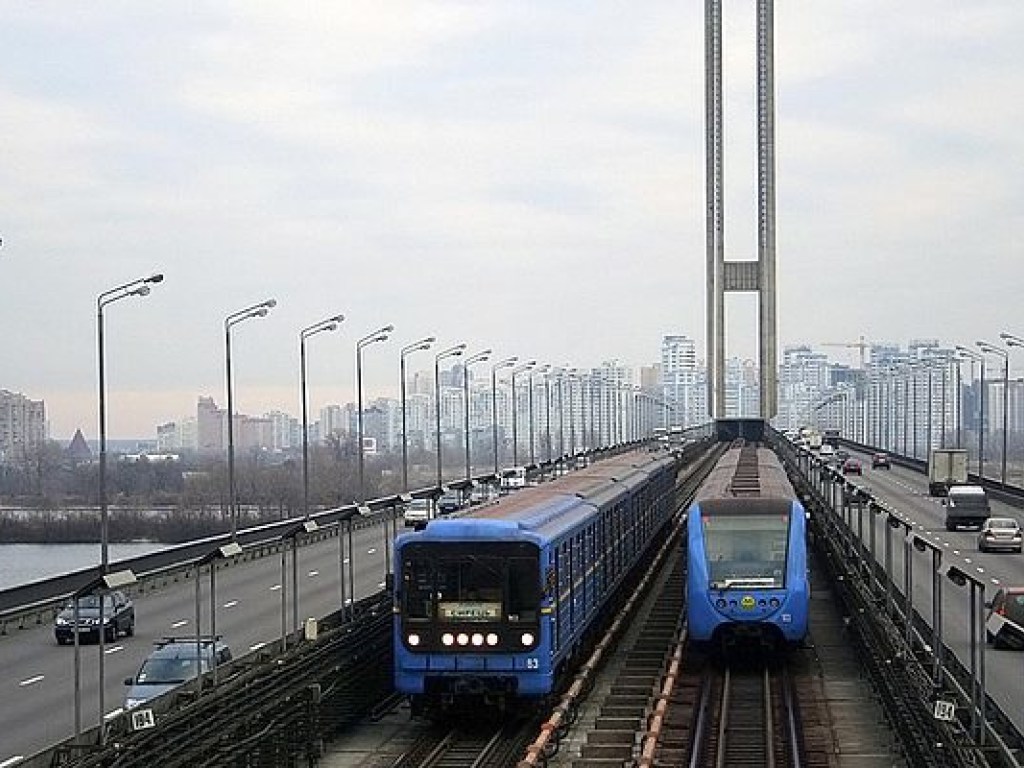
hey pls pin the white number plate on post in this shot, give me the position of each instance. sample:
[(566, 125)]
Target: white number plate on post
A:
[(143, 719), (945, 710)]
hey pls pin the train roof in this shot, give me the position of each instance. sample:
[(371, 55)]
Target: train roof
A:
[(547, 510), (746, 472)]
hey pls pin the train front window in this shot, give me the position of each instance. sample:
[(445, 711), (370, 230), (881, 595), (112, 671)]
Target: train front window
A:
[(745, 551), (457, 584)]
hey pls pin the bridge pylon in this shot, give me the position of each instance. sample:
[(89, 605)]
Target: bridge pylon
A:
[(747, 276)]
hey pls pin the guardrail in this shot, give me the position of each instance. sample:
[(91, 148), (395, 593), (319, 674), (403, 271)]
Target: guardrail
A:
[(916, 672), (37, 603)]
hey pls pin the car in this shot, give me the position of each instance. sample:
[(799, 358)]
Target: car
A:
[(449, 502), (481, 494), (880, 460), (1004, 623), (852, 467), (417, 512), (827, 453), (1000, 533), (118, 618), (171, 663)]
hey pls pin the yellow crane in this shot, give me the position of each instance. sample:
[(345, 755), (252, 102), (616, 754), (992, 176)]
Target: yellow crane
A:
[(862, 345)]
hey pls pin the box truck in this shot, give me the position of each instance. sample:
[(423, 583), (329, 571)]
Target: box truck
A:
[(946, 467)]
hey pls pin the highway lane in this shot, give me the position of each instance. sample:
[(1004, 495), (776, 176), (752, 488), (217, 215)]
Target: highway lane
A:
[(37, 691), (907, 492)]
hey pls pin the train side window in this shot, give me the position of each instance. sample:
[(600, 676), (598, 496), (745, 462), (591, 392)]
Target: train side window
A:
[(417, 589), (523, 590)]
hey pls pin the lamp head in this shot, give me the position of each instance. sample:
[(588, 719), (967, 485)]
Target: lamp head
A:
[(157, 278), (269, 304), (261, 312), (331, 327), (336, 319), (429, 340), (142, 290)]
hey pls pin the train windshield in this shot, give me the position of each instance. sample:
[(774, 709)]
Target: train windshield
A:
[(459, 583), (745, 551)]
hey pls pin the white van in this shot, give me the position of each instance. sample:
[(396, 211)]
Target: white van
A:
[(513, 478)]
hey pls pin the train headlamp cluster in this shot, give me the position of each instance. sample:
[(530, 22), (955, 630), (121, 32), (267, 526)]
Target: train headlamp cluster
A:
[(722, 604), (477, 639)]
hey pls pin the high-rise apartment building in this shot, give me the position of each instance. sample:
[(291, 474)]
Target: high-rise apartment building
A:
[(22, 425), (683, 381)]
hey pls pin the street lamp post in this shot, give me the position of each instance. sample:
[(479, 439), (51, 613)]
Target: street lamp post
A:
[(256, 310), (455, 351), (479, 357), (974, 356), (1011, 341), (138, 287), (506, 363), (330, 324), (417, 346), (992, 349), (542, 370), (381, 334), (515, 408)]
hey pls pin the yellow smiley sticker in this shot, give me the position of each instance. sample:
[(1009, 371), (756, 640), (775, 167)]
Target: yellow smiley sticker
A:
[(747, 603)]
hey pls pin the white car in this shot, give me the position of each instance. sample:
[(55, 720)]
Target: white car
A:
[(417, 512), (1000, 533)]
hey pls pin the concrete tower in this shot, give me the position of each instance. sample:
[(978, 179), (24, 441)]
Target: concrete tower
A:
[(752, 276)]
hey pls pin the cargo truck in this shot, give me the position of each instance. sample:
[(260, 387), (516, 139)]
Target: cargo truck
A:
[(946, 467)]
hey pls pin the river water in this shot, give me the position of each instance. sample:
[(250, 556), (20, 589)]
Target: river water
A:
[(24, 563)]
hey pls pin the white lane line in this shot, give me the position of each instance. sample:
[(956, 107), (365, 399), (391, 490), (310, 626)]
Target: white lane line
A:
[(179, 624), (113, 713), (995, 581), (31, 680), (230, 604), (10, 762), (979, 569), (371, 551), (256, 647), (275, 588), (380, 585), (314, 574), (113, 649), (345, 561)]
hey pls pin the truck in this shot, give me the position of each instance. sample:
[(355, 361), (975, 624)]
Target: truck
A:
[(946, 467), (831, 437)]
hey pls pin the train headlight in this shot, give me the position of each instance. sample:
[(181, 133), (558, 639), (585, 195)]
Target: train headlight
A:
[(527, 638), (477, 639), (413, 639), (492, 639), (447, 639), (462, 639)]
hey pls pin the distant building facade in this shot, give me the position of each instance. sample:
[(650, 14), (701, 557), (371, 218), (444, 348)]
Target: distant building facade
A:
[(22, 425)]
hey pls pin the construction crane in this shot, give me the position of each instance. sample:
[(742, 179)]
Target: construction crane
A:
[(862, 345)]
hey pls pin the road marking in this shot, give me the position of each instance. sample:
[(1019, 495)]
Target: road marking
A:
[(178, 624), (113, 649), (313, 574), (380, 585), (31, 680), (113, 713), (256, 647), (995, 581), (371, 551), (345, 560), (275, 588), (12, 761), (979, 569), (348, 601), (230, 604)]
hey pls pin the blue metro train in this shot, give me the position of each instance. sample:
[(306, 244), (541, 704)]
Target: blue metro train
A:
[(747, 553), (491, 607)]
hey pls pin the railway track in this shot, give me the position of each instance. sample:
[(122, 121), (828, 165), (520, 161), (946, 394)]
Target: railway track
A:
[(745, 718)]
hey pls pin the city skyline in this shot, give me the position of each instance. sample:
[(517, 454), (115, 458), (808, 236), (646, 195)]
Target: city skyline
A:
[(524, 177)]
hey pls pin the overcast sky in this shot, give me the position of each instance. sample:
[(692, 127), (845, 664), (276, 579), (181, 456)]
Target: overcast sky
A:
[(526, 176)]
